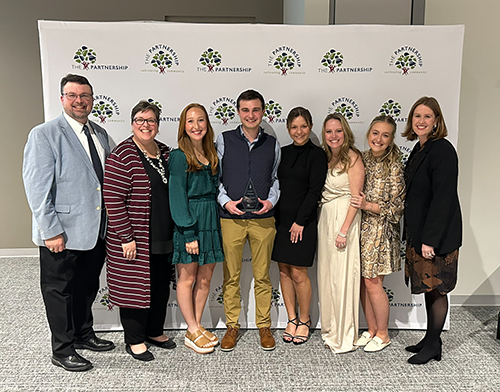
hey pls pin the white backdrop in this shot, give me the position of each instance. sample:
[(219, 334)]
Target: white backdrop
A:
[(360, 71)]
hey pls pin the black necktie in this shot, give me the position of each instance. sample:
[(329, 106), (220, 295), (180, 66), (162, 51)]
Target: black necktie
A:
[(96, 161)]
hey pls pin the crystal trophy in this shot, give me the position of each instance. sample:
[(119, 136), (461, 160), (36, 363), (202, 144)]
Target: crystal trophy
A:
[(250, 200)]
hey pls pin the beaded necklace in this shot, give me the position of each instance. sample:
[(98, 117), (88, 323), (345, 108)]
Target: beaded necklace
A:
[(160, 169)]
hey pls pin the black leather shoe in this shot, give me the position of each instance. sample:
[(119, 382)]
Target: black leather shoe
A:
[(168, 344), (95, 344), (73, 363), (145, 356)]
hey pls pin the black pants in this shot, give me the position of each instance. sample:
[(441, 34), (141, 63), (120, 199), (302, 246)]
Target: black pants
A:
[(69, 281), (140, 323)]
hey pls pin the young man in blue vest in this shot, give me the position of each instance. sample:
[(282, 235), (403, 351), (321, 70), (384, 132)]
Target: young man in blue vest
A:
[(248, 192)]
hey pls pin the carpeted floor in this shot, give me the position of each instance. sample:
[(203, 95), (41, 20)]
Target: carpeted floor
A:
[(471, 356)]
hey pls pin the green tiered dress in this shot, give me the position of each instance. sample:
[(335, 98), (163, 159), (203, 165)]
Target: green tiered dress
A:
[(195, 211)]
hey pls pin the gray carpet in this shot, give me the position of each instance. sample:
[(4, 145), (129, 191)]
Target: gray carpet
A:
[(471, 356)]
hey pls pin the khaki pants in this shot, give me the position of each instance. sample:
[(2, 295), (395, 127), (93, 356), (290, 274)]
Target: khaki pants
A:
[(260, 234)]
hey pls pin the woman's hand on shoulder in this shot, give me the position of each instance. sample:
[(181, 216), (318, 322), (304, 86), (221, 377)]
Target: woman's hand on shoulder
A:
[(192, 247)]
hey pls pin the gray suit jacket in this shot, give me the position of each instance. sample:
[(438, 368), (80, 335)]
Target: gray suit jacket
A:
[(61, 185)]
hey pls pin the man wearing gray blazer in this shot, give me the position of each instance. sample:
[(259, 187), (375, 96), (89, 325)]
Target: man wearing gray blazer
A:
[(62, 173)]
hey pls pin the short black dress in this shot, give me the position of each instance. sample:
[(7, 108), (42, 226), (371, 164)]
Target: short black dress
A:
[(301, 175)]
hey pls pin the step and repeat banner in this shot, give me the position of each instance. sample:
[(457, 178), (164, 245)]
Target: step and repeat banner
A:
[(359, 71)]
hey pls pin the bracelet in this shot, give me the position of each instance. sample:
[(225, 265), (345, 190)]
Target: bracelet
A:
[(342, 234)]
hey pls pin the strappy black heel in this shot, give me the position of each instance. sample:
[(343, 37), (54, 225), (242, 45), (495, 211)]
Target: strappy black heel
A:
[(301, 339), (287, 335)]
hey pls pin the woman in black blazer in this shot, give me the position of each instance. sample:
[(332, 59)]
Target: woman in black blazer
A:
[(433, 220)]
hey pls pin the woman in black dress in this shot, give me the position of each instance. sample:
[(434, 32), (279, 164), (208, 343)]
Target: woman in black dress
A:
[(433, 220), (301, 173)]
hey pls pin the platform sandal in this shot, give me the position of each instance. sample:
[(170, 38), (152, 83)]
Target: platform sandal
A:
[(214, 340), (198, 342)]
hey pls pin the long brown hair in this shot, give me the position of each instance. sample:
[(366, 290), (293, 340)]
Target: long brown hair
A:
[(439, 132), (187, 148), (392, 153), (348, 144)]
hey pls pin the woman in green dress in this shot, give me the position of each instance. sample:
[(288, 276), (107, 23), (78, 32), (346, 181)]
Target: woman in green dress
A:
[(194, 173)]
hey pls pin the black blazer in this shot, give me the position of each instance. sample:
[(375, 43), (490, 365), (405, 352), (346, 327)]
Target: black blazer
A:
[(432, 210)]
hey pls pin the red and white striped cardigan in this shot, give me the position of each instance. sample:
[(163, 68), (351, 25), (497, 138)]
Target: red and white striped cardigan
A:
[(127, 196)]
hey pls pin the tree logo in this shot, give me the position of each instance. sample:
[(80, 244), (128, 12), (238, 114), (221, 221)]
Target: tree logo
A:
[(332, 59), (273, 111), (275, 297), (217, 295), (210, 58), (223, 109), (390, 294), (103, 299), (225, 112), (390, 108), (405, 62), (284, 59), (284, 62), (155, 102), (405, 154), (104, 108), (162, 61), (406, 58), (162, 58), (346, 106), (345, 110), (85, 56)]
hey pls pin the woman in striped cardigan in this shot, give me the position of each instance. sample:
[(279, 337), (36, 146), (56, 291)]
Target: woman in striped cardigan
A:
[(140, 231)]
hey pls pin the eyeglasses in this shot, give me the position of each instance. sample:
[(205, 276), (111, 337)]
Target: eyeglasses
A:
[(140, 121), (73, 96)]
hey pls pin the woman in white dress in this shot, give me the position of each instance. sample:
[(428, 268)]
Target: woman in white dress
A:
[(338, 237)]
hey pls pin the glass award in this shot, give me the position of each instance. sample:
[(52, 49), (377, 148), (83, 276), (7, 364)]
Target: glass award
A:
[(250, 200)]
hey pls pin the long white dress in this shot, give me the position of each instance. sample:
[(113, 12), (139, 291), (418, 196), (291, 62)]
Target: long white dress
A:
[(338, 269)]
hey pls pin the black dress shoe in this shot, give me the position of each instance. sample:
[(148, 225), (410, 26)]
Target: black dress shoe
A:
[(95, 344), (73, 363), (168, 344), (145, 356)]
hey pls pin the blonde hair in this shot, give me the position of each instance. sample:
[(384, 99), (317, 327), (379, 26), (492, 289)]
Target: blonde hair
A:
[(439, 132), (392, 153), (343, 158), (186, 145)]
